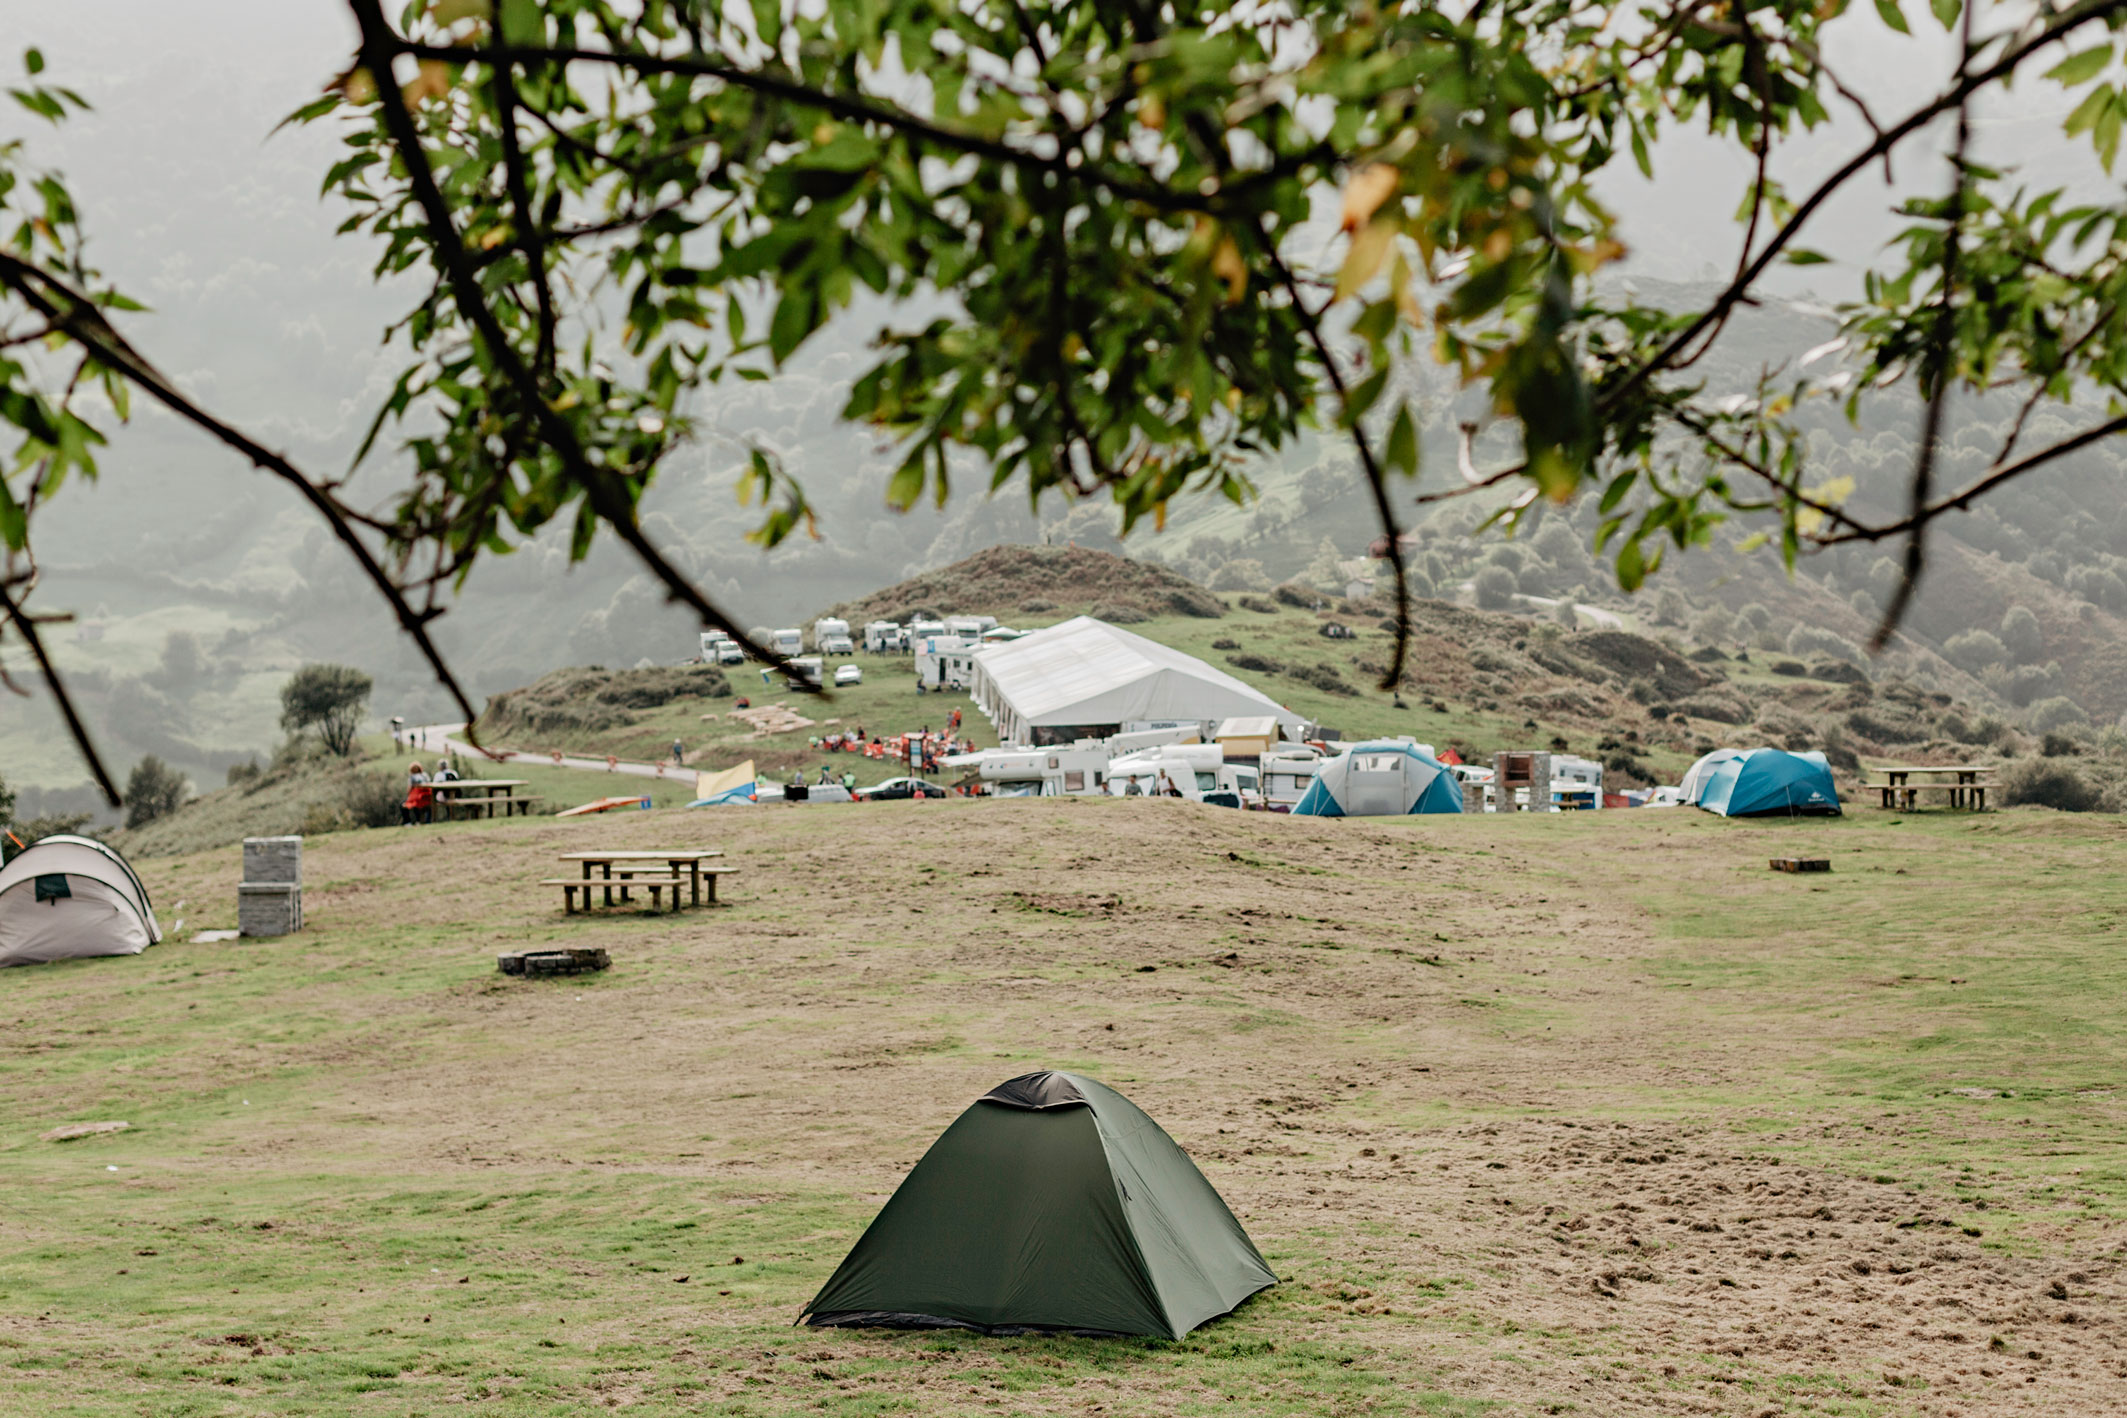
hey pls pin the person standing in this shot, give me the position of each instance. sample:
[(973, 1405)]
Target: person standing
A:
[(679, 755)]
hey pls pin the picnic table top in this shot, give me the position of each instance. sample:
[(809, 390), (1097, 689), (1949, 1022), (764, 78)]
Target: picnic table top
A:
[(681, 854), (1930, 767), (458, 784)]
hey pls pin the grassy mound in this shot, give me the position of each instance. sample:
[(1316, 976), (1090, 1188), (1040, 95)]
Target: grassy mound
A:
[(589, 699), (1049, 582)]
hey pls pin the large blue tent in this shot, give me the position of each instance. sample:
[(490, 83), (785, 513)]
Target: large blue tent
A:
[(1382, 778), (1770, 782)]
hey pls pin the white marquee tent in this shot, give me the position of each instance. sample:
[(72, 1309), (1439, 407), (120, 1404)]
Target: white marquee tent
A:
[(1087, 678)]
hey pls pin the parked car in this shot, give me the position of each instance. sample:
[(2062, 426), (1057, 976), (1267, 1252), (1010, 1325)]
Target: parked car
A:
[(896, 789), (849, 674)]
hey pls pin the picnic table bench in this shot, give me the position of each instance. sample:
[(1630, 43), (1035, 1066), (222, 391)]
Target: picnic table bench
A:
[(1965, 784), (479, 797), (655, 871)]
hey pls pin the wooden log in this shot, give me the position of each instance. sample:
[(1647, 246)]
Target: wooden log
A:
[(568, 960), (1801, 864)]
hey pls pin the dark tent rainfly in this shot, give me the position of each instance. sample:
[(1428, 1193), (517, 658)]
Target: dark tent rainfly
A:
[(1052, 1203)]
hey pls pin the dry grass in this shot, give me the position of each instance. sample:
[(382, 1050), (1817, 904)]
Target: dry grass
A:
[(1580, 1114)]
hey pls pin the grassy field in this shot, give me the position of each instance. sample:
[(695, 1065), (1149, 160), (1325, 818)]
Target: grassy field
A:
[(1586, 1114), (887, 702)]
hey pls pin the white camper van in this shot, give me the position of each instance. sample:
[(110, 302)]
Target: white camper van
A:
[(1182, 770), (883, 637), (1016, 771), (787, 642), (943, 661), (831, 637)]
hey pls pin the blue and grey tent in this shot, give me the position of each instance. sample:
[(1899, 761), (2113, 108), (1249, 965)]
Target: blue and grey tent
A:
[(1769, 782), (1384, 778), (1700, 774)]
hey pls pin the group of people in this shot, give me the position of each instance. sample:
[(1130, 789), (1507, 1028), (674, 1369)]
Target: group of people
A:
[(420, 803)]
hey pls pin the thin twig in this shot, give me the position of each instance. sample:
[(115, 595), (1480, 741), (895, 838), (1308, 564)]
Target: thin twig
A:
[(1986, 483), (26, 626), (529, 239), (1941, 338), (1953, 97), (1384, 512)]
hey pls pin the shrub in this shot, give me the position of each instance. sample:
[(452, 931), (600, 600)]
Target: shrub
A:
[(2059, 746), (1495, 587), (1116, 613), (243, 774), (2020, 633), (1816, 640), (371, 799), (1292, 593), (2030, 683), (1713, 625), (1754, 618), (1255, 663), (1324, 677), (1256, 604), (2045, 782), (154, 790), (1792, 669), (1974, 650), (1037, 606), (2058, 712), (1224, 643)]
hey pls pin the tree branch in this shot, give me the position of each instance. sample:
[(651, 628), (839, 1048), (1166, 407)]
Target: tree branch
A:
[(83, 322), (1376, 484), (380, 45), (1953, 97), (1992, 479)]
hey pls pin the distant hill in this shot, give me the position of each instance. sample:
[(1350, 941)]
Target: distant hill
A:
[(1046, 582)]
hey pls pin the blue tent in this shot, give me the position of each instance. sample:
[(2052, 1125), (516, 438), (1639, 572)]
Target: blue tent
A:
[(1384, 778), (1770, 782)]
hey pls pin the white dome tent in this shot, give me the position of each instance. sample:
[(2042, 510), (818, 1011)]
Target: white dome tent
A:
[(64, 898)]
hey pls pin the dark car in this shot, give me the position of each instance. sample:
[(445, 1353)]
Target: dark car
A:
[(894, 789)]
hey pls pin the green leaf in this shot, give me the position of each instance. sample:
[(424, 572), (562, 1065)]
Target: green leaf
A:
[(2087, 113), (1803, 256), (1893, 16), (33, 60), (1403, 443), (1631, 566), (1619, 486), (1946, 12), (2081, 68)]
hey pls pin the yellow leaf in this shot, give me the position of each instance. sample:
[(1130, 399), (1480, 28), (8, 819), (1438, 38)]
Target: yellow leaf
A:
[(1073, 347), (1152, 112), (493, 237), (355, 86), (1499, 245), (1227, 265), (1364, 193), (1369, 249), (1833, 492), (1233, 398), (433, 81)]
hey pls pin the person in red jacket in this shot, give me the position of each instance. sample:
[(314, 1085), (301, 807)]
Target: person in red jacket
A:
[(420, 804)]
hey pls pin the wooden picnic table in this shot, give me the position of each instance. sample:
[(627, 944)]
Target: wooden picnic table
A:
[(1965, 783), (680, 864), (481, 796)]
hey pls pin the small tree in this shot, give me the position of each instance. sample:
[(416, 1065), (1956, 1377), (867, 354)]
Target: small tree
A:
[(155, 790), (328, 698)]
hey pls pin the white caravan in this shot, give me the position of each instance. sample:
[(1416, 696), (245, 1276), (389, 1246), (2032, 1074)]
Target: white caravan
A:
[(831, 637), (1015, 771), (883, 637), (943, 662), (1288, 772), (787, 642), (1187, 770)]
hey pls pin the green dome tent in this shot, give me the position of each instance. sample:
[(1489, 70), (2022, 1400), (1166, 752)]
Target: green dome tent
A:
[(1051, 1203)]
